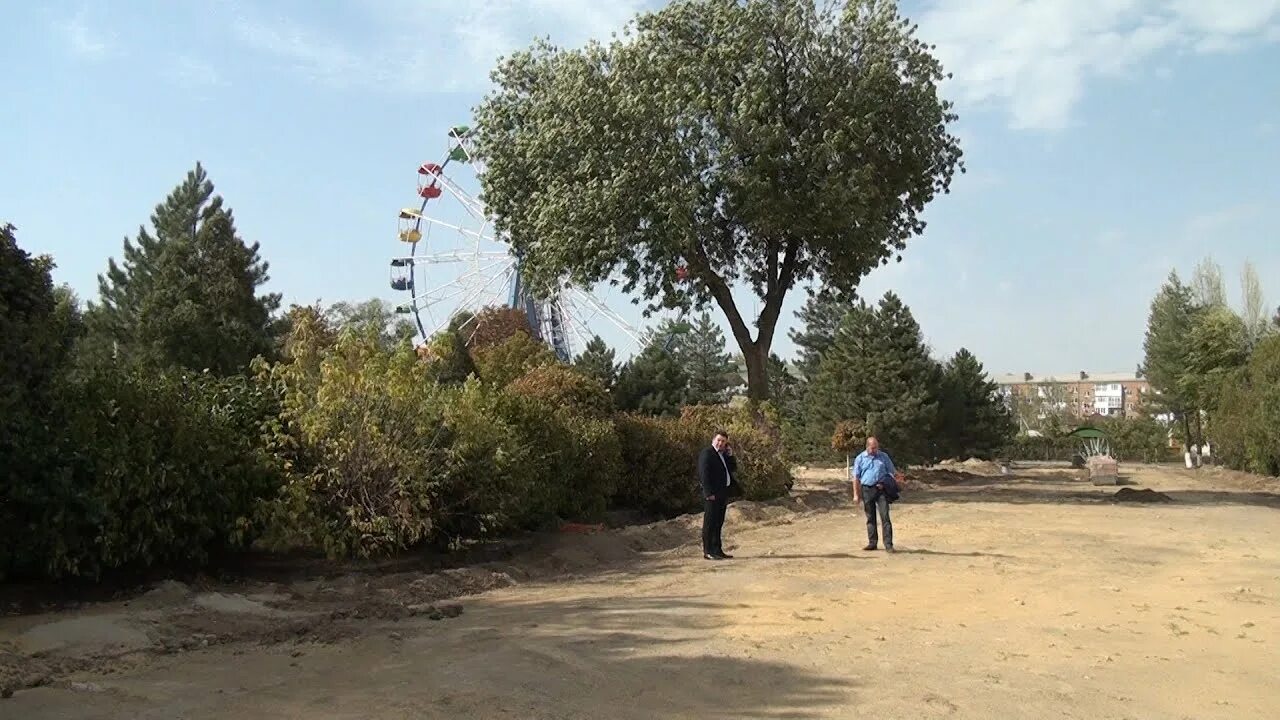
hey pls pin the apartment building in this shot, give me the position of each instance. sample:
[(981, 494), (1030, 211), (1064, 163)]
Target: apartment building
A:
[(1081, 394)]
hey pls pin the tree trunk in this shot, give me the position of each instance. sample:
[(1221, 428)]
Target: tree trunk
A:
[(757, 372)]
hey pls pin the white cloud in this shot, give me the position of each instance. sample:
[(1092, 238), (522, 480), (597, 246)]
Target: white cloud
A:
[(193, 72), (83, 39), (1034, 58), (408, 46)]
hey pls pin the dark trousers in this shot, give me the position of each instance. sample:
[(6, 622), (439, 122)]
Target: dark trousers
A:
[(873, 502), (712, 523)]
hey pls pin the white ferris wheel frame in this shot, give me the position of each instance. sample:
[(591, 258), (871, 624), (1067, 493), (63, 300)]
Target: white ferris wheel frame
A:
[(488, 273)]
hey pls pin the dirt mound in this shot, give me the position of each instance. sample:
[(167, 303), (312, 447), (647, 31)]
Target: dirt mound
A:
[(1145, 495)]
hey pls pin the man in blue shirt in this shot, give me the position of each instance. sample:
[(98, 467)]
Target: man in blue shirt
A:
[(873, 486)]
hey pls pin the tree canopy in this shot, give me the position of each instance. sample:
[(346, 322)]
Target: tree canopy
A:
[(187, 292), (716, 144)]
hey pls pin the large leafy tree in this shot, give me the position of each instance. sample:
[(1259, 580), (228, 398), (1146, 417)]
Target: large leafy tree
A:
[(975, 422), (1217, 346), (1253, 305), (187, 291), (1166, 363), (720, 144), (373, 315), (1207, 286), (879, 373)]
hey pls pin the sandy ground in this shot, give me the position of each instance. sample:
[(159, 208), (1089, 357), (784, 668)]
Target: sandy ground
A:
[(1034, 595)]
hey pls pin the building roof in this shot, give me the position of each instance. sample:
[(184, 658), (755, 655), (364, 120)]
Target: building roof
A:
[(1103, 377)]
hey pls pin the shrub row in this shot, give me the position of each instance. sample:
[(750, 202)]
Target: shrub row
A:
[(347, 447), (139, 469)]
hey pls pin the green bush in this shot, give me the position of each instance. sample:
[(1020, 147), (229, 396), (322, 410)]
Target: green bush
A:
[(1040, 448), (151, 469), (574, 460), (1245, 431), (502, 363), (660, 465), (447, 359), (757, 443), (1141, 439), (559, 386), (486, 465), (362, 441), (660, 457)]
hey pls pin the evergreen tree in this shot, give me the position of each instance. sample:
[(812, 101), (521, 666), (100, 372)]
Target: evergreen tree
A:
[(819, 319), (597, 361), (975, 422), (786, 390), (710, 370), (1166, 363), (654, 382), (186, 293), (879, 372)]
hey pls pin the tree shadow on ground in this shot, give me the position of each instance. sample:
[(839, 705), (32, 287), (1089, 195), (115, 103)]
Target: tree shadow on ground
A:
[(598, 656), (924, 551), (802, 556), (649, 657)]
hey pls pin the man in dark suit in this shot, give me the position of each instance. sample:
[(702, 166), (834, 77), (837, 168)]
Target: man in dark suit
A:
[(716, 466)]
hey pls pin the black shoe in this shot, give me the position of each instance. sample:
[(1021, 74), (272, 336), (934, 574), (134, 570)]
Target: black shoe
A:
[(725, 556), (889, 548), (869, 547), (709, 556)]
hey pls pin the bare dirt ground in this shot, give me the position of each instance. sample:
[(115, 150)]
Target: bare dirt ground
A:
[(1033, 595)]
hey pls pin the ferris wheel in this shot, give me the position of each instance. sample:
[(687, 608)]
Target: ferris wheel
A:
[(456, 265)]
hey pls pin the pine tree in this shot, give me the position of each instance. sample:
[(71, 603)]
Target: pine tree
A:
[(597, 361), (186, 293), (654, 382), (786, 390), (879, 372), (1166, 363), (709, 368), (819, 320), (974, 420)]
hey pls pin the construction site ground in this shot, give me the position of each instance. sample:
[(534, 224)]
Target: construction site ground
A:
[(1028, 595)]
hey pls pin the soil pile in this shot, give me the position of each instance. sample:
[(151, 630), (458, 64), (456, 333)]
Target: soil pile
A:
[(1145, 495)]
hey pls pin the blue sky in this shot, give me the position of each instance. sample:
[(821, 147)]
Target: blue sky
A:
[(1107, 142)]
